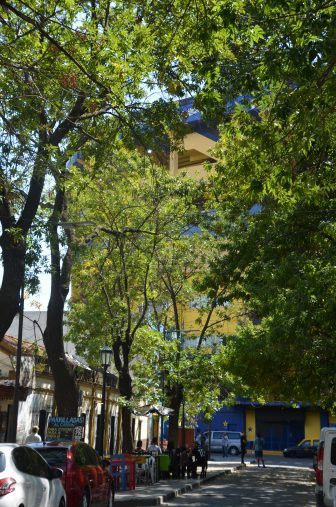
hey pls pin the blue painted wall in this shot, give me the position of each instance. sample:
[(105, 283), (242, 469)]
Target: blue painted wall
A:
[(233, 416), (324, 419)]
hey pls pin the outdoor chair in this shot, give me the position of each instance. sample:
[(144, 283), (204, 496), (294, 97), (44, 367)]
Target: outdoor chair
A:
[(142, 471)]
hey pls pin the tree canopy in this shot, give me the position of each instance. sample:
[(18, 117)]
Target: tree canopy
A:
[(276, 192), (140, 263), (79, 71), (75, 73)]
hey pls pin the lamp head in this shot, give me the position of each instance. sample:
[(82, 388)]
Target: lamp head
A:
[(105, 356)]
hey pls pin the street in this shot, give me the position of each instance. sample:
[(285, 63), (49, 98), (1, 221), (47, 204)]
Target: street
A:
[(278, 460), (255, 487)]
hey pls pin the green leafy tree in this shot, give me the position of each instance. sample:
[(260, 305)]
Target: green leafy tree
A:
[(188, 380), (276, 195), (72, 72), (183, 267), (131, 205)]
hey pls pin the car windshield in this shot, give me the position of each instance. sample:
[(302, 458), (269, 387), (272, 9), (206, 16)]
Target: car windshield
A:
[(54, 456)]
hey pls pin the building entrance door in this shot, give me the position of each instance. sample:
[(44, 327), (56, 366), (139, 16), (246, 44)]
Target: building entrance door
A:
[(280, 428)]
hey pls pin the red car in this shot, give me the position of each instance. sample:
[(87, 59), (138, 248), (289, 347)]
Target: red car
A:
[(85, 480)]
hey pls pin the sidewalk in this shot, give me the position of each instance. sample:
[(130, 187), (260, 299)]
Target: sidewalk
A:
[(161, 492)]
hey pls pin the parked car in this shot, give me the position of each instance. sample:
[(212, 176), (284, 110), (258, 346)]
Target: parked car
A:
[(86, 481), (325, 469), (26, 479), (217, 439), (305, 449)]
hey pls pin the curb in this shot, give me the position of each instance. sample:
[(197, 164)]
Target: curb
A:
[(163, 498)]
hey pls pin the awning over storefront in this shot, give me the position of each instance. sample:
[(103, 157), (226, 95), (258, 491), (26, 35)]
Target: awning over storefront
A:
[(154, 409)]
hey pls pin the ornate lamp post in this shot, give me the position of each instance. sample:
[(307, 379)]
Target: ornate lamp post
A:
[(105, 360)]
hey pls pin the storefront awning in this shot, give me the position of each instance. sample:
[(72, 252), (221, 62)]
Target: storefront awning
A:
[(154, 409)]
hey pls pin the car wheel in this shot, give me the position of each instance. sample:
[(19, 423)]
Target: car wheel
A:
[(62, 503), (85, 500), (233, 451)]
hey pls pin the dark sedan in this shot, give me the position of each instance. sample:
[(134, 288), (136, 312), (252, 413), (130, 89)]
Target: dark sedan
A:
[(305, 449)]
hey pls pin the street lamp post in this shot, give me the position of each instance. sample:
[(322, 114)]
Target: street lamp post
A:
[(105, 360)]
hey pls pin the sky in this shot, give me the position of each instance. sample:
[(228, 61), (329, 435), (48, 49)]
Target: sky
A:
[(38, 301)]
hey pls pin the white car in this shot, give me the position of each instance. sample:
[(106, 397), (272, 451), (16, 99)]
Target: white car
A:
[(234, 445), (26, 479)]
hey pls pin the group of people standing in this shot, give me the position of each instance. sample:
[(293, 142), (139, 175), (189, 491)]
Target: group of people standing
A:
[(183, 460), (258, 446), (153, 448)]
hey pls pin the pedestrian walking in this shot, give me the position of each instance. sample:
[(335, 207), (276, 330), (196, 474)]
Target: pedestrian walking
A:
[(33, 437), (259, 450), (243, 442), (225, 445)]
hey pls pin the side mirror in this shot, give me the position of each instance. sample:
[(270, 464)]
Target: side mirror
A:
[(56, 473)]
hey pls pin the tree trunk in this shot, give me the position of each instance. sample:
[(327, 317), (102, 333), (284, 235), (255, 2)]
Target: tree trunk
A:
[(66, 390), (13, 255), (14, 246), (175, 396), (125, 389)]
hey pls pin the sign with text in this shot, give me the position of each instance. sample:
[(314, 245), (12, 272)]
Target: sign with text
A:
[(65, 428)]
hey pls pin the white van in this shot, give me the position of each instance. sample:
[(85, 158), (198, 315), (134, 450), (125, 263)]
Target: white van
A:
[(325, 469), (217, 441)]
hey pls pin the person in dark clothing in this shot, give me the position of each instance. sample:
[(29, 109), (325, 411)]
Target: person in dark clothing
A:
[(197, 458), (189, 462), (243, 442), (202, 461), (171, 451), (139, 449), (183, 461), (193, 461), (176, 464), (259, 448), (203, 440)]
